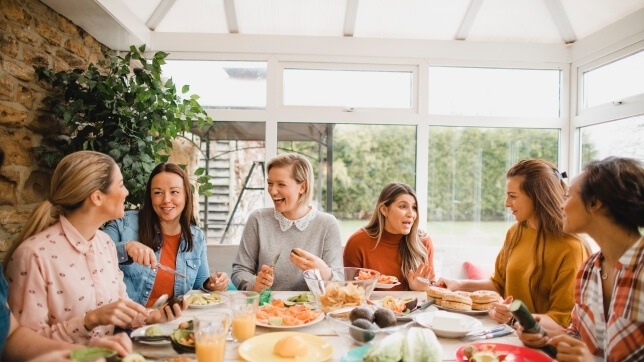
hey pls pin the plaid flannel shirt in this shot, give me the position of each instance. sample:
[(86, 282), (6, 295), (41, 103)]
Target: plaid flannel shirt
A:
[(621, 337)]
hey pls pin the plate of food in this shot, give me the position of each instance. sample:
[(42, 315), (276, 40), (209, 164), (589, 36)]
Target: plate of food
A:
[(286, 346), (279, 316), (400, 306), (200, 300), (474, 303), (303, 298), (387, 282), (158, 334), (500, 352), (448, 324)]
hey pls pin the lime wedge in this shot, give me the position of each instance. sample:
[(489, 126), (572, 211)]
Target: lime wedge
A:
[(275, 321)]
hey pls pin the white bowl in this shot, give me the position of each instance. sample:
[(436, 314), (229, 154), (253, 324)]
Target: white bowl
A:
[(460, 324)]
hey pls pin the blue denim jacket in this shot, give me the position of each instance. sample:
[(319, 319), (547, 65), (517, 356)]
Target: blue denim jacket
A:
[(139, 279)]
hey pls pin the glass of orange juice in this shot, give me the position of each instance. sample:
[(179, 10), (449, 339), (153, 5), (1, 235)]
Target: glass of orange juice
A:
[(244, 306), (211, 330)]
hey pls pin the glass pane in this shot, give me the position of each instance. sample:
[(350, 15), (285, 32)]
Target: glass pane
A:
[(364, 158), (466, 187), (344, 88), (624, 137), (221, 84), (494, 92), (614, 81), (233, 154)]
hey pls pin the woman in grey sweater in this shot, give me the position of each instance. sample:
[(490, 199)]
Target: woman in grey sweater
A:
[(279, 243)]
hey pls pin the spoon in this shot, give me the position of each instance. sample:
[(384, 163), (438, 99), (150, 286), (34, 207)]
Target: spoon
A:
[(160, 301)]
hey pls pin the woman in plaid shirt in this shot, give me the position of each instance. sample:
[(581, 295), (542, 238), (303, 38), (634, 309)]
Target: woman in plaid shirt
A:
[(607, 202)]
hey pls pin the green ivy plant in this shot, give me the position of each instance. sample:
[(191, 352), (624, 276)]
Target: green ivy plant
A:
[(129, 112)]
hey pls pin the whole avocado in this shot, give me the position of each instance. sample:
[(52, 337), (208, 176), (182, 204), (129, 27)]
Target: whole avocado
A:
[(384, 318), (362, 330), (362, 312)]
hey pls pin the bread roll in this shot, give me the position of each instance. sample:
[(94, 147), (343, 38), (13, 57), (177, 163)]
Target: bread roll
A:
[(291, 347)]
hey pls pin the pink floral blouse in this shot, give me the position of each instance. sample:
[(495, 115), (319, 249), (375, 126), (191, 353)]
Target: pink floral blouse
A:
[(56, 276)]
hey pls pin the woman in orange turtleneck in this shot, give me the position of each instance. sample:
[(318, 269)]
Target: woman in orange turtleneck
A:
[(391, 242)]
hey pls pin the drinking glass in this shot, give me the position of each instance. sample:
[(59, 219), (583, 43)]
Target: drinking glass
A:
[(244, 306), (211, 330)]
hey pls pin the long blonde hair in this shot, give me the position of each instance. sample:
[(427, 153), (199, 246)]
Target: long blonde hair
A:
[(411, 250), (74, 179)]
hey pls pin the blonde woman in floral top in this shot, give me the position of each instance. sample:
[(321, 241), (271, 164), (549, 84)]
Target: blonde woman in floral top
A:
[(64, 279)]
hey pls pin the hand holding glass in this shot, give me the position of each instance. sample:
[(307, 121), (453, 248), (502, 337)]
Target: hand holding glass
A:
[(244, 306), (211, 330)]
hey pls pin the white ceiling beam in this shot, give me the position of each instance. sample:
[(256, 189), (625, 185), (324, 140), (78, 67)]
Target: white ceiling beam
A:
[(350, 18), (159, 14), (468, 19), (110, 22), (231, 16), (561, 20)]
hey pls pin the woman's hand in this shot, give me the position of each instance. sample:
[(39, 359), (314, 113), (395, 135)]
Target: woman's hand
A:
[(218, 281), (450, 284), (166, 313), (305, 260), (264, 278), (141, 254), (423, 271), (570, 349), (534, 340), (119, 342), (123, 313), (501, 311)]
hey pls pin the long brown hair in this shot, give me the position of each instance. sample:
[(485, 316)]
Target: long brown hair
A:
[(544, 185), (412, 251), (149, 224), (75, 178)]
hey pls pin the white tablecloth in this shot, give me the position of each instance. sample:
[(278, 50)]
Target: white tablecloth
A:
[(341, 344)]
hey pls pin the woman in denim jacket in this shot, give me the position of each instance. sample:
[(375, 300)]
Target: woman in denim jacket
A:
[(163, 232)]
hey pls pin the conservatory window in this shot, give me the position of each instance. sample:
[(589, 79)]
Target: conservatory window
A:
[(494, 92), (221, 84)]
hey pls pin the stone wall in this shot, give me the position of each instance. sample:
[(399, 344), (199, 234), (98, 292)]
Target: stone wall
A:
[(31, 35)]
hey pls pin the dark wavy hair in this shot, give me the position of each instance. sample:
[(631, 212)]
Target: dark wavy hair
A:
[(149, 225), (618, 183)]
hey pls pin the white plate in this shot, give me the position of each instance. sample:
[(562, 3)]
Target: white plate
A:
[(166, 328), (386, 286), (316, 320), (378, 303), (469, 324), (222, 299), (468, 312)]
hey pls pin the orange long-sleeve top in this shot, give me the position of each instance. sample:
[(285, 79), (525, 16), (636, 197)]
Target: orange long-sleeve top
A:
[(361, 252)]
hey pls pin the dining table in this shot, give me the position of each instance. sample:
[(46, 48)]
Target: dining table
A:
[(325, 328)]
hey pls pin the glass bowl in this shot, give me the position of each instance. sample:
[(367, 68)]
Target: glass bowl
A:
[(341, 325), (335, 288)]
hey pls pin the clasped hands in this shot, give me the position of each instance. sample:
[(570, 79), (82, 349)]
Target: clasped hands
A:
[(301, 258)]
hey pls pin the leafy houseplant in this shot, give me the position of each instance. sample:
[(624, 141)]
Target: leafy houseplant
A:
[(129, 112)]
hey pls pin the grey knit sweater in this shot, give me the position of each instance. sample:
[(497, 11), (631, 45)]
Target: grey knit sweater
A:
[(263, 239)]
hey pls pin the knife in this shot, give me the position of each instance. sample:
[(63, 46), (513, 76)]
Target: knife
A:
[(490, 335), (486, 331), (171, 271), (149, 338)]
